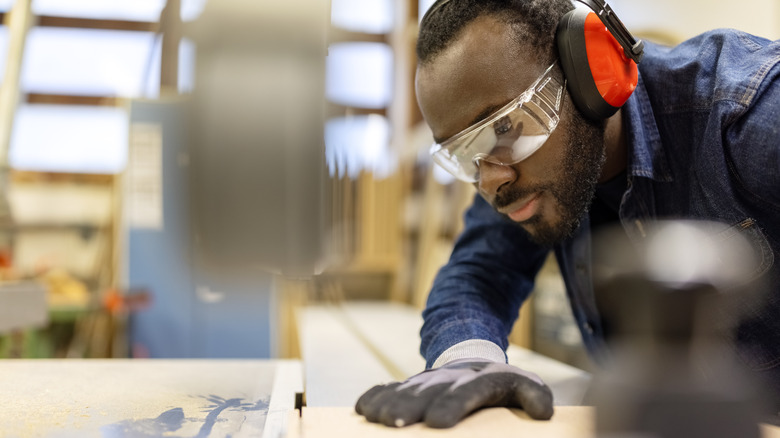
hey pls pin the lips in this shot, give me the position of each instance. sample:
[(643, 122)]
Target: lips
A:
[(523, 209)]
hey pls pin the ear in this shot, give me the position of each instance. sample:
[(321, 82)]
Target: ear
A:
[(599, 75)]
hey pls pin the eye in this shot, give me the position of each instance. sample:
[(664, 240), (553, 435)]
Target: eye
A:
[(502, 125)]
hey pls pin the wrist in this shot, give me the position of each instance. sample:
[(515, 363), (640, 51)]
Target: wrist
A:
[(471, 349)]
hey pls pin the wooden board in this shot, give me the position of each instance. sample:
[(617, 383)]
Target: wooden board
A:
[(568, 422), (349, 348), (135, 398), (337, 365), (497, 422)]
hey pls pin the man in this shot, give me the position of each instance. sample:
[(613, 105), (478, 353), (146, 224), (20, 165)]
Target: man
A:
[(699, 138)]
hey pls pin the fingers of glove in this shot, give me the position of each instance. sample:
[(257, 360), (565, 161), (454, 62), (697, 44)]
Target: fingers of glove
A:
[(408, 406), (535, 399), (370, 403), (453, 405), (494, 389)]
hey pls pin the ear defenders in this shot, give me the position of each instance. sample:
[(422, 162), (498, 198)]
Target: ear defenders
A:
[(598, 57)]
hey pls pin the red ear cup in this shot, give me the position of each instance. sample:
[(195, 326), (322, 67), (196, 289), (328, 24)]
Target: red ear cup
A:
[(599, 75)]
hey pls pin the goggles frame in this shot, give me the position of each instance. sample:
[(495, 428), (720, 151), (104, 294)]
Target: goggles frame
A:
[(541, 100)]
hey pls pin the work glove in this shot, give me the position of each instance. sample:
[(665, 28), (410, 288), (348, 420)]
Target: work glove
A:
[(443, 396)]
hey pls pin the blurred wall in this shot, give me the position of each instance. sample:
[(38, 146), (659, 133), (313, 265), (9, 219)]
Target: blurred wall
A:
[(683, 19)]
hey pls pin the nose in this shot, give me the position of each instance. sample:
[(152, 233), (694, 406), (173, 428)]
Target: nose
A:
[(493, 177)]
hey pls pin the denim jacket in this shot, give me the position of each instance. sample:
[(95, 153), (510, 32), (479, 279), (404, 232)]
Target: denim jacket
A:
[(703, 132)]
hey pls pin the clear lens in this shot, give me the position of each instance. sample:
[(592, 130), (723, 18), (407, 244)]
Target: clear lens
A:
[(511, 135)]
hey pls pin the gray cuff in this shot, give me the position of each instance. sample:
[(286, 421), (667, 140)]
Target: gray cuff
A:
[(473, 348)]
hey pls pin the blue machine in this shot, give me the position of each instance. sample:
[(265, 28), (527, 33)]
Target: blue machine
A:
[(194, 312)]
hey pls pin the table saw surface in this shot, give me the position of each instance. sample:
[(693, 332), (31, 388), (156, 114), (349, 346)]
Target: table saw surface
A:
[(568, 422), (146, 398), (217, 398)]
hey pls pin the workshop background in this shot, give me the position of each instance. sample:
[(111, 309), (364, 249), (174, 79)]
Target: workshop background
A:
[(110, 221)]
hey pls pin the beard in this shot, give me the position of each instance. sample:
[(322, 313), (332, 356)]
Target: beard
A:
[(573, 187)]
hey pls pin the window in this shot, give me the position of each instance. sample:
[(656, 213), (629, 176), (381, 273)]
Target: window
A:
[(79, 139), (3, 50), (424, 6), (360, 74), (71, 78), (358, 143), (367, 16), (359, 87), (92, 62)]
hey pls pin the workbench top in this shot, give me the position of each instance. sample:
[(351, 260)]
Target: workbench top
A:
[(350, 347), (121, 398), (218, 398), (568, 422)]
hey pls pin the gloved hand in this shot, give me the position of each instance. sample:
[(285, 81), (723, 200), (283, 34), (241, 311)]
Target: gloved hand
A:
[(443, 396)]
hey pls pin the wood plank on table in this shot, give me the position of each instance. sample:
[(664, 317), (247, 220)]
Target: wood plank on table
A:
[(338, 367), (393, 328), (391, 333), (568, 422), (134, 398), (496, 422)]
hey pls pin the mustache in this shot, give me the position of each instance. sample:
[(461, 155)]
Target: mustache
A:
[(512, 194)]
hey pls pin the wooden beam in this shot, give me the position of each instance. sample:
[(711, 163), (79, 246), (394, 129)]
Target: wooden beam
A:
[(339, 35), (18, 21), (61, 99), (414, 11), (171, 28), (26, 176), (414, 116), (334, 110), (93, 23)]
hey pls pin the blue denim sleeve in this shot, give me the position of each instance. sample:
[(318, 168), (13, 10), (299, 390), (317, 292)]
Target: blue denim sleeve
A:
[(478, 293), (753, 136)]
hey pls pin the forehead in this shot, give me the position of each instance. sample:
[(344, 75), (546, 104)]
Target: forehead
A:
[(483, 69)]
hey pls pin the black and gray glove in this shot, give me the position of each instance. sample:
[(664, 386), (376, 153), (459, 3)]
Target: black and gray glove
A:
[(443, 396)]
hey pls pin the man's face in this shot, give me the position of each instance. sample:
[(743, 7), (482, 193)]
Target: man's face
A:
[(481, 71)]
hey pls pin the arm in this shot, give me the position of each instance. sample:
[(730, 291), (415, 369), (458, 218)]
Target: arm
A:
[(478, 293), (475, 299)]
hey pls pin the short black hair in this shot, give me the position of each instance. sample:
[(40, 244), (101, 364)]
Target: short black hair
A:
[(533, 22)]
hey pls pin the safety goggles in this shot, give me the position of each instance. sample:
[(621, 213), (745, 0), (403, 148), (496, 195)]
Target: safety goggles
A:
[(508, 136)]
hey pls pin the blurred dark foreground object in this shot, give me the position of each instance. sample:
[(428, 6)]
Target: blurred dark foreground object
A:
[(666, 305), (256, 125)]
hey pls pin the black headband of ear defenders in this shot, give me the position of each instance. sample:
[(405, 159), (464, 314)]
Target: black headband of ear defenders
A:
[(633, 48)]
